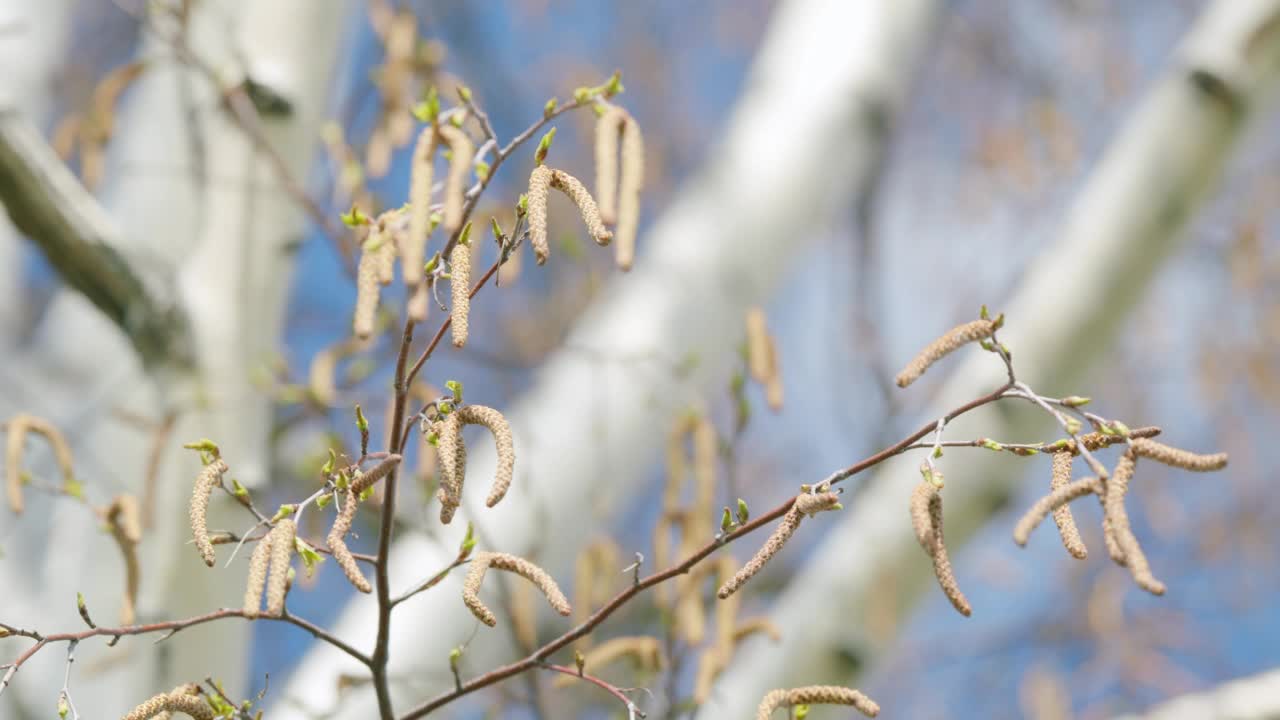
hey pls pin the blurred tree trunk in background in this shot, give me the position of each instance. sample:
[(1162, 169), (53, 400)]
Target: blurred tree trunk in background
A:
[(204, 218)]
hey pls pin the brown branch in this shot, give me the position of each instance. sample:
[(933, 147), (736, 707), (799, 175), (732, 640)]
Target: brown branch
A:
[(172, 626)]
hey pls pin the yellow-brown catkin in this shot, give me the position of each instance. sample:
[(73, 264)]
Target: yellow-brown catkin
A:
[(455, 185), (1176, 457), (758, 361), (460, 291), (376, 258), (710, 665), (926, 519), (497, 425), (578, 193), (186, 703), (281, 553), (209, 478), (322, 375), (125, 523), (629, 194), (182, 690), (1062, 517), (338, 545), (781, 534), (539, 189), (773, 391), (419, 303), (18, 427), (452, 454), (706, 453), (825, 695), (257, 580), (1135, 559), (1056, 498), (369, 478), (1097, 441), (482, 561), (421, 177), (609, 126), (757, 625), (645, 653), (952, 340)]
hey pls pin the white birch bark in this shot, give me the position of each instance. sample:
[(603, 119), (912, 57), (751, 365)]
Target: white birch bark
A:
[(806, 136), (203, 215), (1123, 226), (1256, 697)]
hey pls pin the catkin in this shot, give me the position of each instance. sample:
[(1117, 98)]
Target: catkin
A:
[(781, 534), (183, 689), (421, 177), (755, 626), (125, 524), (338, 545), (1097, 441), (539, 188), (540, 181), (609, 126), (419, 303), (1062, 517), (951, 341), (629, 194), (460, 291), (926, 519), (15, 444), (482, 561), (497, 425), (1177, 457), (366, 480), (817, 695), (1135, 559), (377, 260), (578, 193), (209, 478), (281, 553), (1057, 498), (183, 702), (452, 454), (257, 580), (620, 201), (322, 375), (758, 360), (455, 185)]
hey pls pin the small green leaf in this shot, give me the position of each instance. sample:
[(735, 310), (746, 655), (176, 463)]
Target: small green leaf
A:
[(464, 93), (455, 388), (468, 543), (238, 490), (991, 444), (465, 237), (549, 108), (323, 501), (327, 468), (544, 146), (366, 493), (354, 217), (726, 521), (482, 170), (283, 512), (362, 423), (743, 513), (310, 558), (1075, 401)]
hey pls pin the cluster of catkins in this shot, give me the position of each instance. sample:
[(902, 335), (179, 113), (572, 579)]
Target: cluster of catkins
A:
[(1109, 486), (404, 232)]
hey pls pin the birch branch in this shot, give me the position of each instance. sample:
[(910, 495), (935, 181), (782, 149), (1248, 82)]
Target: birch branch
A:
[(50, 206)]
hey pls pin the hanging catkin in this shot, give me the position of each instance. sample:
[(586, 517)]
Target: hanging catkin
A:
[(422, 175), (950, 341), (460, 292), (1062, 517), (15, 444), (209, 478), (482, 561), (455, 185)]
